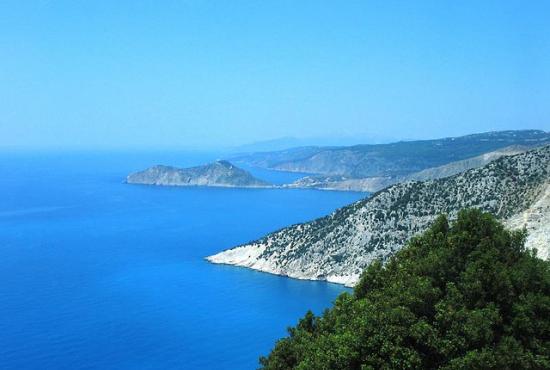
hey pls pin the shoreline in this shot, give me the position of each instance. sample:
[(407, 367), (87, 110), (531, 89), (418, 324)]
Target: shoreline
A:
[(346, 281)]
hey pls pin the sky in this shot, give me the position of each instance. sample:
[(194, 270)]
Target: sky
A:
[(204, 74)]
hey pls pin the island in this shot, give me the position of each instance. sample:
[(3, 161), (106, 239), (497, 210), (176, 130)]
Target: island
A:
[(219, 173)]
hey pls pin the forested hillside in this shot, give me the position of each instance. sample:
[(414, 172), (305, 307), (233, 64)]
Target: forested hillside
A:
[(461, 296)]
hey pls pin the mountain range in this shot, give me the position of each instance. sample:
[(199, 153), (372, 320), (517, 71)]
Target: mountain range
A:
[(374, 166), (373, 184)]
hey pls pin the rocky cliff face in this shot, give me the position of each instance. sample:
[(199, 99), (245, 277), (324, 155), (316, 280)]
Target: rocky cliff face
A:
[(536, 219), (220, 173), (338, 247)]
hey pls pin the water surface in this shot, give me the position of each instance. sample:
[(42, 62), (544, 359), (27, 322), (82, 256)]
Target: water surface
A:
[(97, 274)]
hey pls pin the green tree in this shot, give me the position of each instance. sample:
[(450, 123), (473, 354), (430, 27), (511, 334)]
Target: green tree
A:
[(461, 296)]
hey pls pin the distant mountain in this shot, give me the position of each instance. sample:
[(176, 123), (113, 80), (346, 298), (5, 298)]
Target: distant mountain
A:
[(274, 145), (374, 184), (338, 247), (390, 160), (219, 173), (285, 143)]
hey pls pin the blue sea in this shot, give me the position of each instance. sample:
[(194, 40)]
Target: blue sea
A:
[(98, 274)]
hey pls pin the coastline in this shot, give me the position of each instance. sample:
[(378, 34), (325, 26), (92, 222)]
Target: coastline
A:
[(242, 256)]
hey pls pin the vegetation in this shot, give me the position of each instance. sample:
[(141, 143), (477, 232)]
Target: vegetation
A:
[(461, 296)]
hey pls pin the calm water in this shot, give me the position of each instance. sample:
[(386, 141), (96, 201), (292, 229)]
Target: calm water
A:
[(98, 274)]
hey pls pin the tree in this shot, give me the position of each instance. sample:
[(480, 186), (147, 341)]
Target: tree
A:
[(461, 296)]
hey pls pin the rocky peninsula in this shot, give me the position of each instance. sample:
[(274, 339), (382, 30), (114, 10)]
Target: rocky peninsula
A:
[(219, 174)]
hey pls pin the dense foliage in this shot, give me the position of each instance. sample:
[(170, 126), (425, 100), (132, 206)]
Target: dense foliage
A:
[(461, 296)]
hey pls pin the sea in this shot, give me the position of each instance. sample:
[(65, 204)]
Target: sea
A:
[(99, 274)]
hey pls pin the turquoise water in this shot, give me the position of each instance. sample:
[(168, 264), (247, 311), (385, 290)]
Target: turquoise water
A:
[(97, 274)]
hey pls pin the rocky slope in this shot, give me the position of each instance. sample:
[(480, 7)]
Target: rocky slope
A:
[(536, 219), (338, 247), (219, 173)]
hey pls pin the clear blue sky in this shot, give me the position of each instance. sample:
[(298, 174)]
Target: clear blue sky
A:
[(91, 74)]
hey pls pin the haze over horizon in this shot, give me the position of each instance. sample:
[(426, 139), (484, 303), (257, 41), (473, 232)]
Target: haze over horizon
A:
[(215, 74)]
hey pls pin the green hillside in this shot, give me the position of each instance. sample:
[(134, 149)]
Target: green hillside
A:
[(461, 296)]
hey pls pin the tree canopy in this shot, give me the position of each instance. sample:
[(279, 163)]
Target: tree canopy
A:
[(461, 296)]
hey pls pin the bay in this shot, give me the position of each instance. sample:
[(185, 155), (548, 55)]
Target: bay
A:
[(98, 274)]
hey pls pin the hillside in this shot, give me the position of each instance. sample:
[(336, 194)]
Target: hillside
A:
[(219, 173), (466, 295), (339, 246), (374, 184), (391, 160)]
